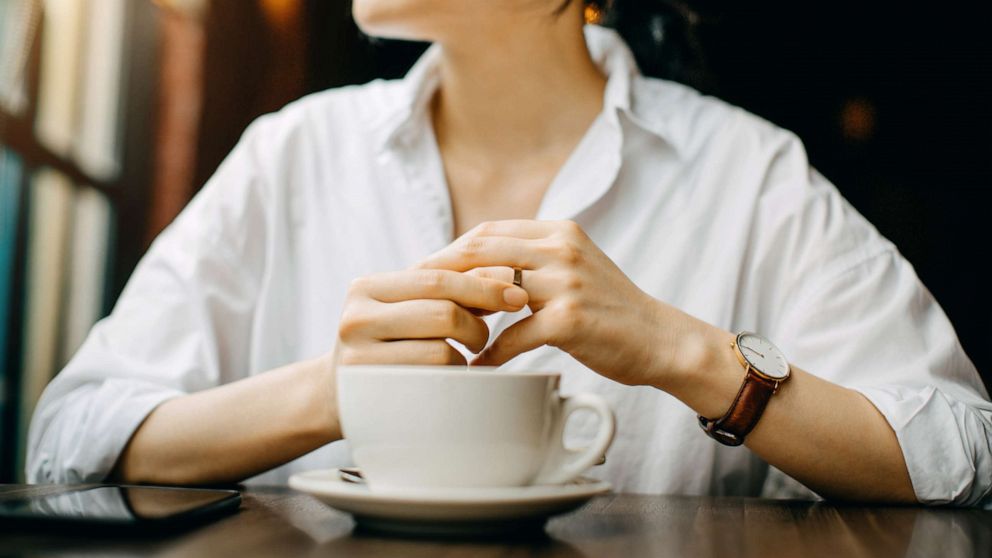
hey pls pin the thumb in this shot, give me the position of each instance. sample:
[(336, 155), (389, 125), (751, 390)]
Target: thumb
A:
[(525, 335)]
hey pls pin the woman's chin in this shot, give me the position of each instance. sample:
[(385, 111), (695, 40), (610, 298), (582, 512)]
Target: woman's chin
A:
[(409, 20)]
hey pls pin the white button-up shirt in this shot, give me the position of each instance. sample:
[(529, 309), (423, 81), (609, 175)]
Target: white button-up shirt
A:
[(701, 204)]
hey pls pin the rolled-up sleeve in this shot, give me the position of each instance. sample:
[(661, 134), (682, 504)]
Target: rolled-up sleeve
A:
[(853, 310), (181, 325), (946, 442), (876, 329)]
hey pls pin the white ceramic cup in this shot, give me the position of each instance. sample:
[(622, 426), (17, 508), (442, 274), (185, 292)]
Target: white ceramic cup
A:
[(428, 427)]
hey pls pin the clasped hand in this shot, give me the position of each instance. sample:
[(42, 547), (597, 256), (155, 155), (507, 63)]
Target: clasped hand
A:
[(581, 303)]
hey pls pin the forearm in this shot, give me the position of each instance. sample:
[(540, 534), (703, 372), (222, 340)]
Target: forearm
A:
[(830, 438), (234, 431)]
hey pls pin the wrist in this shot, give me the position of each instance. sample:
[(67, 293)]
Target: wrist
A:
[(702, 370), (320, 398)]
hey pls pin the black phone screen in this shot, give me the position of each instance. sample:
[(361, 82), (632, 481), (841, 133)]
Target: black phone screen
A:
[(120, 504)]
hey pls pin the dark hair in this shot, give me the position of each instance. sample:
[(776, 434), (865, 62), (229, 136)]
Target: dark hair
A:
[(663, 35)]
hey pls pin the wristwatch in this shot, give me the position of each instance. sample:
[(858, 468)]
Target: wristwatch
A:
[(766, 369)]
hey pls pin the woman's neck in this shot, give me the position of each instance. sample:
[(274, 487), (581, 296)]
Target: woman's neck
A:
[(520, 93)]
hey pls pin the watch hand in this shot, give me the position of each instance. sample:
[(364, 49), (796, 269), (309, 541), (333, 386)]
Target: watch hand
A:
[(755, 352)]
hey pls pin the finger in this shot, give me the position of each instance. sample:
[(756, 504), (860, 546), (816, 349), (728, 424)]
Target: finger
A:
[(428, 319), (517, 228), (525, 335), (501, 274), (431, 351), (466, 290), (541, 284), (487, 251), (504, 274)]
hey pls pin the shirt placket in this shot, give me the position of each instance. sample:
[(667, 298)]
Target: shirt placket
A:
[(422, 171)]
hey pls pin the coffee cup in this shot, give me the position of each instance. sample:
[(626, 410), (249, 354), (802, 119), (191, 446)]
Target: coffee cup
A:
[(429, 427)]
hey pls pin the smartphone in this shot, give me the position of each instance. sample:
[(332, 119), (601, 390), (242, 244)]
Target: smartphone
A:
[(136, 508)]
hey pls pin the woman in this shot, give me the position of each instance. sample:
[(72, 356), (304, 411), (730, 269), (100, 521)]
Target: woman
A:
[(649, 224)]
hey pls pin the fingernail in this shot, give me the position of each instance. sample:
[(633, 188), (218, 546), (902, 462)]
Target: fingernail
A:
[(515, 296)]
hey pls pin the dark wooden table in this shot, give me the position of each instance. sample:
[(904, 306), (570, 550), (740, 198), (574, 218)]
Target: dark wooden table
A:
[(280, 522)]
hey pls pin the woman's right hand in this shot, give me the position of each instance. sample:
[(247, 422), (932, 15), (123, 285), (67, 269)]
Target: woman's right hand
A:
[(405, 317)]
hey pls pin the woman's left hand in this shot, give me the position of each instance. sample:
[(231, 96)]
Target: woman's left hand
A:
[(581, 301)]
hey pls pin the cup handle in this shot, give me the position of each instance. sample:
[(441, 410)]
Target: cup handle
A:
[(563, 464)]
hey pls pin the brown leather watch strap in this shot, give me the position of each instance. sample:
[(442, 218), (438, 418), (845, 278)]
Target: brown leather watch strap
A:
[(744, 412)]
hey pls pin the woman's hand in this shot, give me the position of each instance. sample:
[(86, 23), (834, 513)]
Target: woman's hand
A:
[(405, 317), (582, 302)]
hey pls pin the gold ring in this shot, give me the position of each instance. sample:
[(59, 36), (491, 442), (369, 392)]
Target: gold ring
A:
[(518, 276)]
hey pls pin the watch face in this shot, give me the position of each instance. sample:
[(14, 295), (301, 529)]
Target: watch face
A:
[(763, 356)]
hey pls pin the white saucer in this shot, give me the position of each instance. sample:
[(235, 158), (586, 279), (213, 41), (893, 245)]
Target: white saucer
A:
[(447, 511)]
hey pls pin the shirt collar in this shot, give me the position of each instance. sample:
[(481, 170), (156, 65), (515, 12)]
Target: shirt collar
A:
[(608, 52)]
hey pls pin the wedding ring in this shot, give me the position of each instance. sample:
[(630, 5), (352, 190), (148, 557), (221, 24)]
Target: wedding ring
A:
[(518, 276)]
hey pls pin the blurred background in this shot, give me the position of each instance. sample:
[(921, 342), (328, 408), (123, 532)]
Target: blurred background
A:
[(113, 113)]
